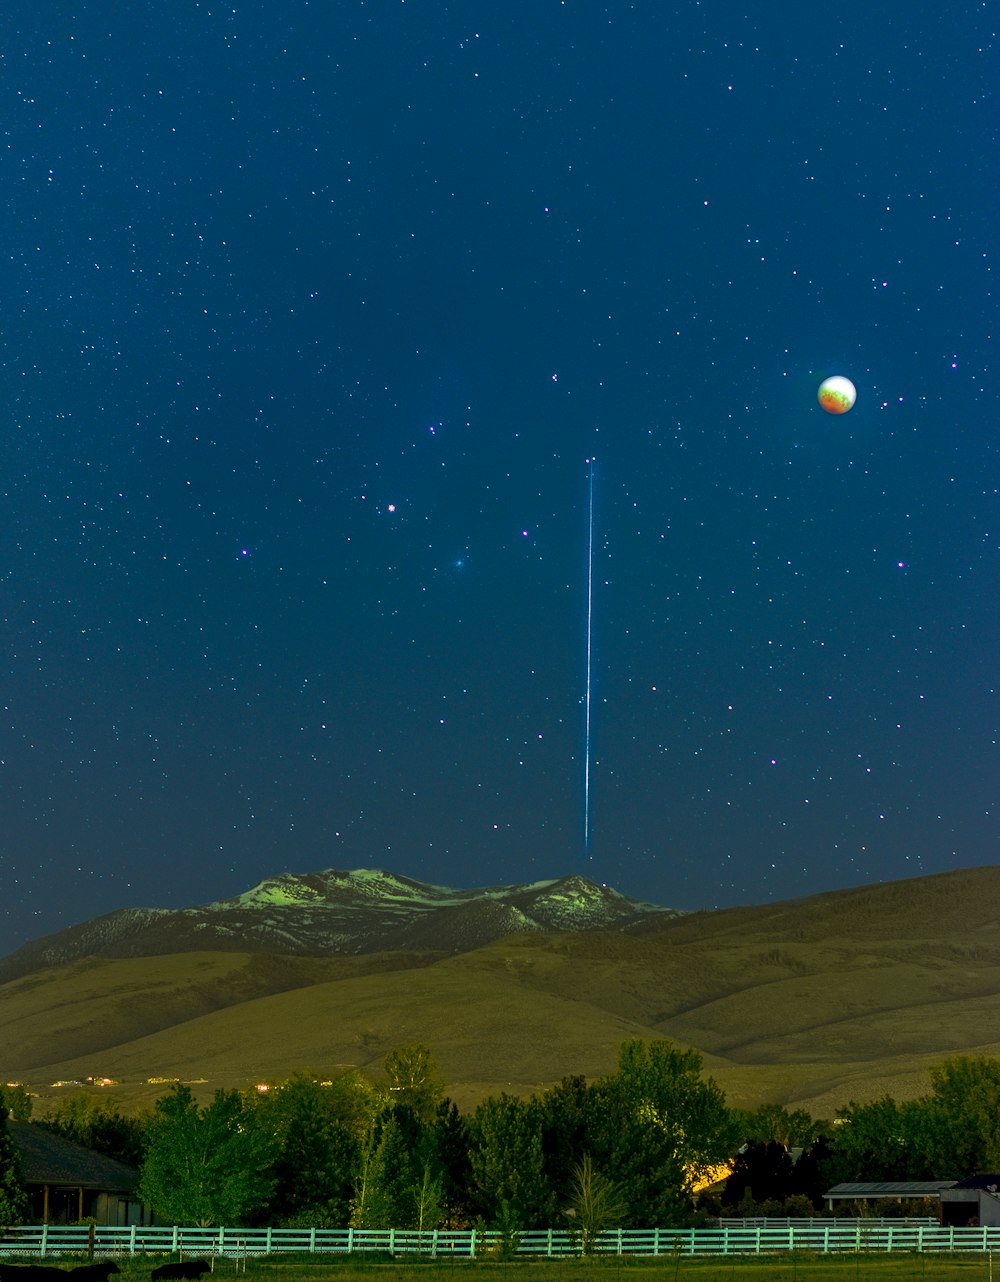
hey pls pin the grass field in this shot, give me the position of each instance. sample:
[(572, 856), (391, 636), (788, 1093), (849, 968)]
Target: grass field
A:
[(788, 1267)]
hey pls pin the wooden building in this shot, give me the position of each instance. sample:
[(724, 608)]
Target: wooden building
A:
[(68, 1183)]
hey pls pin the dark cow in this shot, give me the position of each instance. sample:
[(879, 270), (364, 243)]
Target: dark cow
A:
[(95, 1272), (185, 1269), (48, 1273), (31, 1273)]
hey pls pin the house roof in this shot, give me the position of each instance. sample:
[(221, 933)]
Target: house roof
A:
[(988, 1183), (49, 1159), (890, 1188)]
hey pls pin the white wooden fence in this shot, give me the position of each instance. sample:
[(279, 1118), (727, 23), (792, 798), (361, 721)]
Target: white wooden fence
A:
[(824, 1236)]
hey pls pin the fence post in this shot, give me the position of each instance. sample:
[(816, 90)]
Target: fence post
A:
[(472, 1245), (45, 1240), (131, 1240)]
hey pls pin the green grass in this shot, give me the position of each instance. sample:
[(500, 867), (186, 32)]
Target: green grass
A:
[(797, 1268), (791, 1267)]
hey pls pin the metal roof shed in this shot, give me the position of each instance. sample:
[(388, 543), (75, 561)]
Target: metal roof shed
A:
[(887, 1191)]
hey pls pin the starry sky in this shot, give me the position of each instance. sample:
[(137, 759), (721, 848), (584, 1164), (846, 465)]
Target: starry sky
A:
[(314, 315)]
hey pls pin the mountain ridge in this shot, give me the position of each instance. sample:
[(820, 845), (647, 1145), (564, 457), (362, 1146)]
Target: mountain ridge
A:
[(809, 1002), (337, 912)]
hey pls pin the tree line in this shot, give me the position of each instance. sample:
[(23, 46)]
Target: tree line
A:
[(653, 1144)]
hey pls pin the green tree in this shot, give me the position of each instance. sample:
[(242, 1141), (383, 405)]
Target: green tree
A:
[(963, 1117), (387, 1170), (16, 1100), (595, 1204), (13, 1198), (564, 1111), (390, 1172), (773, 1122), (400, 1180), (952, 1133), (356, 1100), (419, 1170), (365, 1203), (659, 1130), (206, 1166), (412, 1079), (505, 1154), (881, 1140), (449, 1137), (318, 1152), (427, 1204), (100, 1125)]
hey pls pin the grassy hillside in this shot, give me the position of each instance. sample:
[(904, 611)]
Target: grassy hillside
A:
[(808, 1003)]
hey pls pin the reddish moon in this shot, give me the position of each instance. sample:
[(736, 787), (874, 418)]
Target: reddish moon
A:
[(837, 394)]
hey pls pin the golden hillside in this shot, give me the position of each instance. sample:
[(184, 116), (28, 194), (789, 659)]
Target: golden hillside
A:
[(808, 1003)]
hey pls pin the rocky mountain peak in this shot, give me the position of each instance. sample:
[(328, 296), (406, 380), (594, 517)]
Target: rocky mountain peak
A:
[(364, 910)]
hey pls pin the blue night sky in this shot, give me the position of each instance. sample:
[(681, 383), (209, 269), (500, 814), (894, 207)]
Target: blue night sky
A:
[(313, 314)]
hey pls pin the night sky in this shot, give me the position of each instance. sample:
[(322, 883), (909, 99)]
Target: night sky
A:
[(313, 314)]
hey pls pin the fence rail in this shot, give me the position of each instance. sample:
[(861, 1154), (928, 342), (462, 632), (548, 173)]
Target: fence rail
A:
[(825, 1236)]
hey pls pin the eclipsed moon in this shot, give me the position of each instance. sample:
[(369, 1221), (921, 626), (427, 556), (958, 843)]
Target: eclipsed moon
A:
[(837, 394)]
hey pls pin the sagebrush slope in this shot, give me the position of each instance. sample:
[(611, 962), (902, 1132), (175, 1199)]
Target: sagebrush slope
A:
[(809, 1002)]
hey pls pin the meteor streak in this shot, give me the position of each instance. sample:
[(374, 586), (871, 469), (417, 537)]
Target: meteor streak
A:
[(590, 652)]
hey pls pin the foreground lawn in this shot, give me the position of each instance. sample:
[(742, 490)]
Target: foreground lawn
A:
[(798, 1267)]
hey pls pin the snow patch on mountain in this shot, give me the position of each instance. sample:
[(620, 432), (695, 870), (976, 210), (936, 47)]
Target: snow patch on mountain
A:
[(366, 910)]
